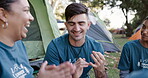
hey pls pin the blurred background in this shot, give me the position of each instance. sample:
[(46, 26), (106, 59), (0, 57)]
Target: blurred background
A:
[(118, 19)]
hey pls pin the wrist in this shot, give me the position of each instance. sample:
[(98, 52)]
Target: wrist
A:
[(75, 76), (101, 73)]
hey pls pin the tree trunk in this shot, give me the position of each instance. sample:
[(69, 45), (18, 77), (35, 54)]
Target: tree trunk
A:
[(129, 30)]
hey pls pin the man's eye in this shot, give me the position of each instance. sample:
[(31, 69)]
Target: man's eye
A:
[(71, 23), (81, 24)]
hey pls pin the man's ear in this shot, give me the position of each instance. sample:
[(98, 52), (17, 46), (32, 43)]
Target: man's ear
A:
[(89, 24), (65, 24), (2, 15)]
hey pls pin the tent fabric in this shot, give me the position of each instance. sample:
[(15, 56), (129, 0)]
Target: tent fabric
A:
[(99, 32), (136, 36), (42, 30)]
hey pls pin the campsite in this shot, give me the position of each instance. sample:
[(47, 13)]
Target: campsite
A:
[(44, 28)]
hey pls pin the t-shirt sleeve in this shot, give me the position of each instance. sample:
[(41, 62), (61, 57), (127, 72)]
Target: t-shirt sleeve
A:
[(52, 55), (124, 63), (101, 49)]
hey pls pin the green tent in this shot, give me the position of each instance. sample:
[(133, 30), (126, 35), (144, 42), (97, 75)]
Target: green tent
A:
[(42, 30)]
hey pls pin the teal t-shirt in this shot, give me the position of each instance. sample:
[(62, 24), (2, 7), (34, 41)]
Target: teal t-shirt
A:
[(60, 50), (14, 61), (133, 57)]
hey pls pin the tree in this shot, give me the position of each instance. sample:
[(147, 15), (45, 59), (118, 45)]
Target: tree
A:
[(107, 22), (140, 7)]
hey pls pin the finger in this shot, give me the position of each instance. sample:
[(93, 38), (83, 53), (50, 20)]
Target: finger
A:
[(97, 56), (44, 65), (69, 67), (93, 65), (84, 59), (95, 60), (81, 64), (101, 56), (65, 65), (62, 66), (72, 68), (79, 59), (50, 67)]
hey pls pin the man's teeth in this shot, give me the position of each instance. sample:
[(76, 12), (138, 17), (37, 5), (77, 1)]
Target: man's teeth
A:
[(27, 25)]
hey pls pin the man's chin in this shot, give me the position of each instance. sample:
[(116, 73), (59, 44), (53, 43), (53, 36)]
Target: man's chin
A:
[(77, 39)]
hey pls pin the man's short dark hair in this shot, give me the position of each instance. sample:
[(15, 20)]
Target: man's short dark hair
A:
[(75, 9)]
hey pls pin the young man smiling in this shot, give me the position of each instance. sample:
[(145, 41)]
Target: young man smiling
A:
[(76, 47)]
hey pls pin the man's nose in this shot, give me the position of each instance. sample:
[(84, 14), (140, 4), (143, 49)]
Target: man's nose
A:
[(77, 27)]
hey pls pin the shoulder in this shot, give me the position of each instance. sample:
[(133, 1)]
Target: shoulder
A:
[(58, 42), (95, 45), (93, 41), (60, 39), (132, 43)]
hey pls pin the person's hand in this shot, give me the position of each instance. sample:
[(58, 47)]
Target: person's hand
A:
[(80, 64), (68, 69), (64, 70), (99, 63)]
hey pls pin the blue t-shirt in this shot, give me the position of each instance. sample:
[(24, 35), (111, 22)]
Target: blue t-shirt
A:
[(60, 50), (14, 61), (133, 57)]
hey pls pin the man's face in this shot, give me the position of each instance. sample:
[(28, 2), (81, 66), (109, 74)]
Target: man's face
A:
[(77, 27), (144, 31)]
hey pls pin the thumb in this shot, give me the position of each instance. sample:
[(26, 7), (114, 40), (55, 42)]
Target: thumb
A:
[(50, 67), (44, 65)]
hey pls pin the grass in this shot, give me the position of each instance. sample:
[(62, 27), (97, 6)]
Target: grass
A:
[(112, 59)]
